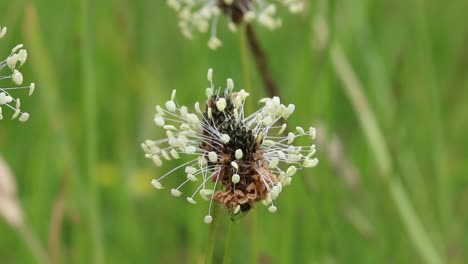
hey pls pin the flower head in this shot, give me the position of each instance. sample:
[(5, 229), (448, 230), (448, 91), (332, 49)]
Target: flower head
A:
[(203, 15), (238, 160), (15, 60)]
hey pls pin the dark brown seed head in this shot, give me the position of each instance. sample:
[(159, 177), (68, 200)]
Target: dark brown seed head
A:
[(236, 9)]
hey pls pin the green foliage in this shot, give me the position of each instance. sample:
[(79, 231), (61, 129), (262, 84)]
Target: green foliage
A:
[(100, 67)]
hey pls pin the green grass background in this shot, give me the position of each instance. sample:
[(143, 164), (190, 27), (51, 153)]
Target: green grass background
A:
[(100, 67)]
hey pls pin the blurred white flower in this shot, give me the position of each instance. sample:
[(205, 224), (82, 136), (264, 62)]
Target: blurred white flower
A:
[(9, 71), (238, 160), (10, 208), (203, 15)]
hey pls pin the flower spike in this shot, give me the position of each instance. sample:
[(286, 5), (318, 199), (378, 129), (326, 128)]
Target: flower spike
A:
[(203, 15), (237, 159)]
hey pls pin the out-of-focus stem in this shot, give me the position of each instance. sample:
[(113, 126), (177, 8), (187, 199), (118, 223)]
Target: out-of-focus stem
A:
[(261, 60), (376, 141), (90, 121), (33, 244), (228, 246), (248, 85), (212, 236)]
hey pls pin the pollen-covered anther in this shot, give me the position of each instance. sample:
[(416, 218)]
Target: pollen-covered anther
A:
[(221, 104), (291, 171), (214, 43), (310, 163), (312, 132), (212, 156), (235, 178), (291, 137), (191, 200), (170, 105), (174, 154), (175, 192), (230, 84), (225, 138), (157, 184), (208, 219), (191, 177), (239, 154), (204, 193), (272, 209)]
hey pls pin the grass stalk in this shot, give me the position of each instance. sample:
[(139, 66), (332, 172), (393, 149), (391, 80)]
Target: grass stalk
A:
[(90, 123), (33, 243), (375, 138), (227, 258)]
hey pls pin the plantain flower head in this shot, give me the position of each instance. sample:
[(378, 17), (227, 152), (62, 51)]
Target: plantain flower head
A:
[(236, 159), (203, 15), (9, 70)]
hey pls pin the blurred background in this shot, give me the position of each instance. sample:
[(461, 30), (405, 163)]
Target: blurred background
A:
[(385, 83)]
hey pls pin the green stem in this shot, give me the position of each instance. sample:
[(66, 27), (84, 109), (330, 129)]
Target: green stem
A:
[(244, 56), (228, 246), (376, 140), (212, 237), (90, 120), (33, 244)]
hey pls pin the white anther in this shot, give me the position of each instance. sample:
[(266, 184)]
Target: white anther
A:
[(209, 75), (191, 177), (234, 165), (230, 84), (239, 154), (16, 48), (204, 193), (235, 178), (175, 192), (310, 163), (208, 219), (11, 61), (17, 77), (157, 160), (291, 171), (291, 137), (22, 56), (170, 105), (31, 88), (174, 154), (190, 170), (157, 184), (24, 117), (283, 127), (272, 209), (190, 150), (197, 108), (225, 138), (191, 200), (214, 43), (313, 132), (212, 156), (221, 104)]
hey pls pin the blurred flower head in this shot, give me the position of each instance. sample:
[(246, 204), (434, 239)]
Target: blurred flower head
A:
[(10, 208), (237, 160), (9, 71), (203, 15)]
